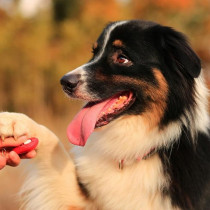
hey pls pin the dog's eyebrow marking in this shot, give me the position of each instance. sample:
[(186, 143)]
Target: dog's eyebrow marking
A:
[(117, 43), (106, 39)]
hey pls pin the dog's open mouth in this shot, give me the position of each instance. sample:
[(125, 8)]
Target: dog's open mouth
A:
[(97, 114), (114, 107)]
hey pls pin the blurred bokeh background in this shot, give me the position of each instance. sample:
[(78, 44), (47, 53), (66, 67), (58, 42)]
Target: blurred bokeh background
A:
[(40, 40)]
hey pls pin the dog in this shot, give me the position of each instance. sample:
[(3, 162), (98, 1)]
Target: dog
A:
[(142, 139)]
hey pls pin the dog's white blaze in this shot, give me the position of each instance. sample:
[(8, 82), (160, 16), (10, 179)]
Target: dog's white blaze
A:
[(82, 90), (106, 39), (80, 71)]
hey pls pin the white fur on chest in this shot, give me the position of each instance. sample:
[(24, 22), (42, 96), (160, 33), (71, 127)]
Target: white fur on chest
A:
[(138, 186)]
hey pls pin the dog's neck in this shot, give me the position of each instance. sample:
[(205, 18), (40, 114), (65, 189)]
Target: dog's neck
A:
[(128, 139), (138, 159)]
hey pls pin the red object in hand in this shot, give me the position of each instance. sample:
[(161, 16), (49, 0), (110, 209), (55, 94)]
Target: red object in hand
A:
[(27, 146)]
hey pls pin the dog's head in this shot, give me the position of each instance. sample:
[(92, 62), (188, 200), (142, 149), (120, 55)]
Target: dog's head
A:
[(137, 68)]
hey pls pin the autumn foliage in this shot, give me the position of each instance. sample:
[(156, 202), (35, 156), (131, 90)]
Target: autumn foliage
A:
[(35, 52)]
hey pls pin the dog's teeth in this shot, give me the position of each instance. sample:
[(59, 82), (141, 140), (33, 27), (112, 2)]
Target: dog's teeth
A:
[(120, 102), (122, 98), (115, 106), (103, 113), (27, 142)]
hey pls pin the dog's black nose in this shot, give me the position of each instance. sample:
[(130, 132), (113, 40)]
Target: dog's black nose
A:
[(70, 80)]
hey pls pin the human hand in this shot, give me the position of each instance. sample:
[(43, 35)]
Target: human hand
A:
[(8, 157)]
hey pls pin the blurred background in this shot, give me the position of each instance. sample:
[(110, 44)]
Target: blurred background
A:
[(41, 40)]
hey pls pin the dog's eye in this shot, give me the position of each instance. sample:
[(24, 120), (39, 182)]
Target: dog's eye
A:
[(122, 59)]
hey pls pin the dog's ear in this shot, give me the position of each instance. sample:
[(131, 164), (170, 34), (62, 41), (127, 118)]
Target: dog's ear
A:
[(178, 53)]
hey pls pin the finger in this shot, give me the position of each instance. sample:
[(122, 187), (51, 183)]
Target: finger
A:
[(2, 162), (22, 138), (11, 142), (13, 159), (29, 155)]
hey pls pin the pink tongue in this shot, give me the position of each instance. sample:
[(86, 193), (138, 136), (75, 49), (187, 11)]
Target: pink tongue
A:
[(84, 123)]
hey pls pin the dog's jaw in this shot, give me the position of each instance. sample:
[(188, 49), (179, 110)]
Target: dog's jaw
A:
[(97, 114)]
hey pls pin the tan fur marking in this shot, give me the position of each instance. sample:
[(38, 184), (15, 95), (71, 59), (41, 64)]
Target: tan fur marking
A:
[(118, 43), (137, 82), (158, 95), (100, 76)]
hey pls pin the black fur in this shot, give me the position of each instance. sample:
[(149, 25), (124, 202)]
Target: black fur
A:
[(188, 166)]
